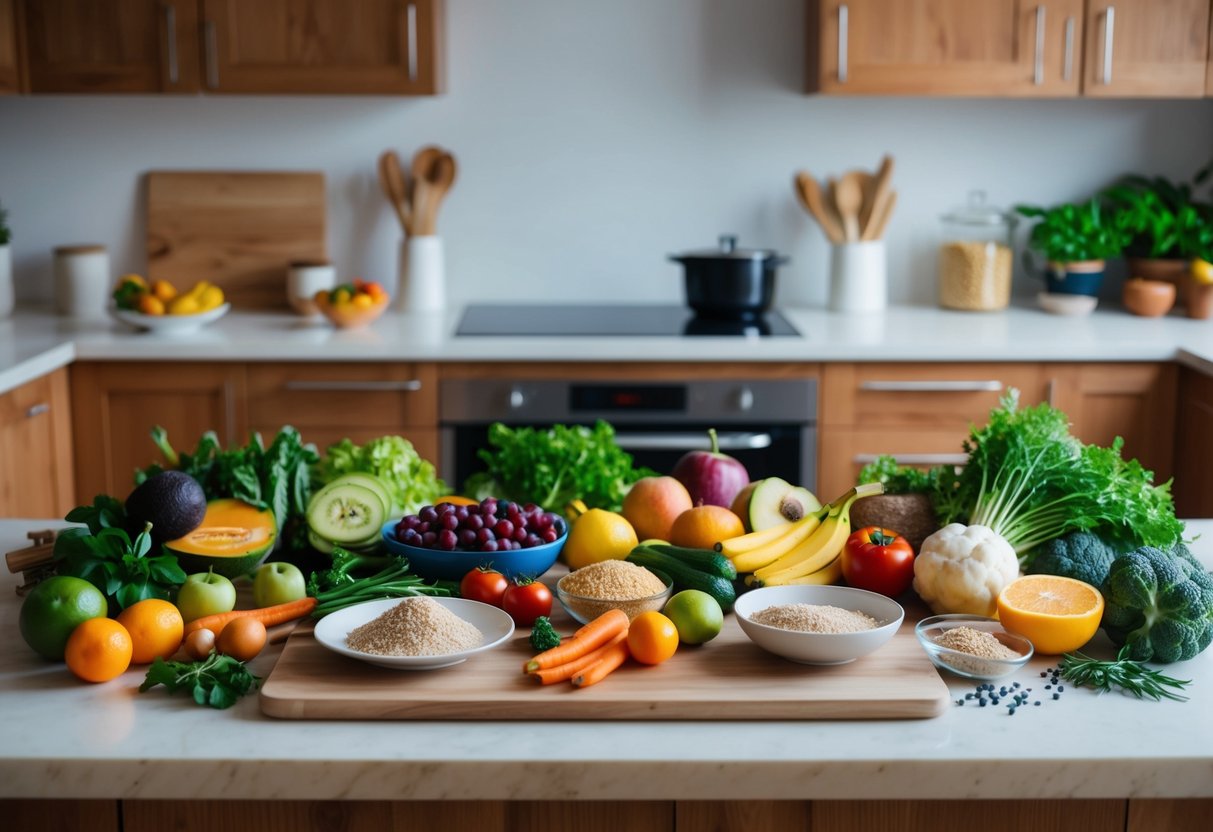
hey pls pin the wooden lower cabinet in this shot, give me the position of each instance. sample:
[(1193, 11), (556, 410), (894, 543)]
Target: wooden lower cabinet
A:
[(36, 449), (1194, 446)]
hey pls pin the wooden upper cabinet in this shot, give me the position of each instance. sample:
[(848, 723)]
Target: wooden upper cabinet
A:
[(1157, 48), (323, 46), (945, 47), (111, 46), (10, 60)]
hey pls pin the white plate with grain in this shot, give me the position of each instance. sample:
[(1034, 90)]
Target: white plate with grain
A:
[(333, 632)]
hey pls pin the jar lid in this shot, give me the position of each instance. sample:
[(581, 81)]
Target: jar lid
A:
[(727, 250), (979, 212)]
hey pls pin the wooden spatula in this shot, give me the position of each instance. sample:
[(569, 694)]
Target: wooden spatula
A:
[(808, 191), (874, 207), (395, 187), (848, 197)]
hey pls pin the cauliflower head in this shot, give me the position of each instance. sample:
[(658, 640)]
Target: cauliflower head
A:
[(961, 569)]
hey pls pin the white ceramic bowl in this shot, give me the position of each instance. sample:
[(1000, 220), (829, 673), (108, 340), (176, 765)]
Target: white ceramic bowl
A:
[(170, 324), (819, 648), (332, 630), (1057, 303)]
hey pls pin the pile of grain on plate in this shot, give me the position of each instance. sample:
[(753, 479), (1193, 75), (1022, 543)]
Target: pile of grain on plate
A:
[(614, 584), (814, 618), (415, 627), (978, 644)]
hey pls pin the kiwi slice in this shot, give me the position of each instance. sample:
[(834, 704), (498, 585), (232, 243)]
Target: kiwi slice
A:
[(346, 513)]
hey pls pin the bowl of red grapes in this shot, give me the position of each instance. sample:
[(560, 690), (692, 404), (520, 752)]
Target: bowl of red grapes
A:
[(446, 541)]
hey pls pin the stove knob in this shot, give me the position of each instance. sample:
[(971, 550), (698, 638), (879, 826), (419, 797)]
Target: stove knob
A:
[(745, 399), (517, 398)]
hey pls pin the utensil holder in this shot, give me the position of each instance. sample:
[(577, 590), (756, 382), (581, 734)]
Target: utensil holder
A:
[(859, 277), (82, 282), (422, 284)]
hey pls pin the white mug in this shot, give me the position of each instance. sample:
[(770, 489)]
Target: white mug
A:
[(82, 281), (858, 277), (422, 284), (303, 280)]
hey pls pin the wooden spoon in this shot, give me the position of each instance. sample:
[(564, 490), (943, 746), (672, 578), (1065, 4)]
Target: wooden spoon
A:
[(848, 196), (808, 190), (392, 181), (440, 178), (419, 195), (874, 206)]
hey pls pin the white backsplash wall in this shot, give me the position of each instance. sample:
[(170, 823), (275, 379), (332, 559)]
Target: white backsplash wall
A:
[(593, 140)]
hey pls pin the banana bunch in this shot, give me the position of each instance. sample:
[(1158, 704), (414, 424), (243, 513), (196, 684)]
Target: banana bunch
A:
[(805, 551)]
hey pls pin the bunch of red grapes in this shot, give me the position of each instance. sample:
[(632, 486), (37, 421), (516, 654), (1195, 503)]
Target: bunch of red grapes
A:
[(491, 526)]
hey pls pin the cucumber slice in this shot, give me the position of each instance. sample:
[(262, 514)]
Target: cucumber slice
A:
[(367, 481), (345, 513), (324, 547)]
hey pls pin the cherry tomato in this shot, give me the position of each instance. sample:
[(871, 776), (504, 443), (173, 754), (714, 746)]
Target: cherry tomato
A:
[(485, 585), (878, 560), (526, 600)]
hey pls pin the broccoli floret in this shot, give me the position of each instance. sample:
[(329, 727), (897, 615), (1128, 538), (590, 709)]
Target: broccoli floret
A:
[(1159, 603), (345, 563), (1079, 555), (543, 635)]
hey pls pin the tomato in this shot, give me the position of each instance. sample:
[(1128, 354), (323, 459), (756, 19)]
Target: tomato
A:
[(878, 560), (484, 585), (526, 600)]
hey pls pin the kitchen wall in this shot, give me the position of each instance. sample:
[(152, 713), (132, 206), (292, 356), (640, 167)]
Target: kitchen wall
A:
[(593, 140)]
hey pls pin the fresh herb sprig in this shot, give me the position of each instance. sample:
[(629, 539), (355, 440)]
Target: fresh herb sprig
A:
[(1129, 676), (217, 681), (104, 555)]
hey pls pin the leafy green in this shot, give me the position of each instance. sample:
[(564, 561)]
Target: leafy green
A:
[(1161, 217), (544, 635), (897, 479), (6, 233), (555, 466), (336, 588), (217, 681), (411, 480), (1072, 233), (104, 555)]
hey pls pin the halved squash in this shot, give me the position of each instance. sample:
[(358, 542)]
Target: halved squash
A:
[(233, 539)]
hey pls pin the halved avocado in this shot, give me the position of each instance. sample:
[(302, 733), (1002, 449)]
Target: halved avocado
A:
[(233, 539), (776, 501)]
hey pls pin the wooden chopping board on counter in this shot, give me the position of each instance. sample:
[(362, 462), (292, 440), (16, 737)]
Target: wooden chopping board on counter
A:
[(238, 230), (727, 679)]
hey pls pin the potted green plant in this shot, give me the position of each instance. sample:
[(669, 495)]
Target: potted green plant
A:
[(6, 266), (1076, 240)]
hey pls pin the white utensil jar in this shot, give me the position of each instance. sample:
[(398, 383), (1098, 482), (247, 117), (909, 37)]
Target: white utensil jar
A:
[(422, 285), (82, 281), (858, 277)]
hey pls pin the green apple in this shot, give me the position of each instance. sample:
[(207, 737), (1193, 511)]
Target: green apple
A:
[(52, 610), (278, 583), (205, 594), (696, 615)]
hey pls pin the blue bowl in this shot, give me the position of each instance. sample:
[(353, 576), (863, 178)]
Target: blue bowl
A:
[(436, 564)]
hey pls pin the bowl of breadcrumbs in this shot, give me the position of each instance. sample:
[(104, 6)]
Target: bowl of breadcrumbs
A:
[(972, 646)]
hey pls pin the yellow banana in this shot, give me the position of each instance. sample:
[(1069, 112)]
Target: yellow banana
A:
[(734, 546), (829, 574), (824, 544), (763, 555)]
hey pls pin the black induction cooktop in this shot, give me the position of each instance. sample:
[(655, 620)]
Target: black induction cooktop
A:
[(566, 320)]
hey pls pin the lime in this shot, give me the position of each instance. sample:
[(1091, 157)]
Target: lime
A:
[(696, 614), (54, 608)]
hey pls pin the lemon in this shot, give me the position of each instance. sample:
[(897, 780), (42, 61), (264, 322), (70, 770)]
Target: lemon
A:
[(598, 535), (1202, 271)]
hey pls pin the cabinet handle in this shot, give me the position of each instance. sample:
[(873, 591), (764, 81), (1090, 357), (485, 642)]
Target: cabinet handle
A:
[(1109, 35), (843, 15), (741, 441), (170, 32), (410, 18), (212, 55), (1038, 70), (38, 409), (916, 459), (410, 386), (1068, 60), (990, 386)]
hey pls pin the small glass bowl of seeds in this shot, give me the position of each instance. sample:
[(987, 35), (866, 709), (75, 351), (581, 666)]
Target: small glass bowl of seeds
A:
[(972, 646), (612, 585)]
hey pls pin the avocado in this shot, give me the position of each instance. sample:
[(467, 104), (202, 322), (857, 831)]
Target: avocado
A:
[(173, 502)]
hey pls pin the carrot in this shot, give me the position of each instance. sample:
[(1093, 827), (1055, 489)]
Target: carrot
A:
[(269, 616), (590, 637), (614, 656), (563, 672)]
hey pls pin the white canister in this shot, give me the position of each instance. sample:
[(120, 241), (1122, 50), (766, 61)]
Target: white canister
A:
[(304, 279), (422, 284), (7, 294), (858, 277), (82, 281)]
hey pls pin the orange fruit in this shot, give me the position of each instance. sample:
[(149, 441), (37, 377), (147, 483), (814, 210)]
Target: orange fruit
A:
[(702, 527), (456, 500), (652, 638), (98, 650), (1058, 615), (653, 504), (155, 627)]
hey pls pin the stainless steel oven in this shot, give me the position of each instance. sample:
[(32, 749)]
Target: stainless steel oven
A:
[(770, 426)]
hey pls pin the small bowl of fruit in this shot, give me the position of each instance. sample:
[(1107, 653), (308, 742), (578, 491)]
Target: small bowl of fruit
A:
[(446, 541), (159, 307), (352, 305)]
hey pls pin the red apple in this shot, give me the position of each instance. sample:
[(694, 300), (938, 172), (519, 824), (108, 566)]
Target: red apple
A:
[(711, 478)]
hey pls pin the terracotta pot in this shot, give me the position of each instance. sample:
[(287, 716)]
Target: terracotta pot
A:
[(1173, 270), (1149, 298), (1200, 300)]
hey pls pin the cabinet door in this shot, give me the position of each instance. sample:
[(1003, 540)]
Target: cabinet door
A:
[(320, 46), (1146, 48), (118, 404), (111, 45), (10, 63), (1194, 446), (945, 47), (36, 449), (844, 452)]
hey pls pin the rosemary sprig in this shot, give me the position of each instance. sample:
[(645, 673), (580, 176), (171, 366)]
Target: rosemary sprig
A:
[(1130, 676)]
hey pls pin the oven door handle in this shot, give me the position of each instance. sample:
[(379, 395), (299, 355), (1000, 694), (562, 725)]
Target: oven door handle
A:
[(728, 441)]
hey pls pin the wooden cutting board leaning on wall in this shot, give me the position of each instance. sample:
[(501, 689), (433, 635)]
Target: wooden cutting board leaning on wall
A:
[(240, 231)]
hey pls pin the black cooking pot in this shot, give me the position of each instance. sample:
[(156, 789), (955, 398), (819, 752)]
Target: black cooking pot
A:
[(728, 282)]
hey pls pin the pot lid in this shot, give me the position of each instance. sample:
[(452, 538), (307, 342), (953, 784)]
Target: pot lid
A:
[(979, 212), (727, 249)]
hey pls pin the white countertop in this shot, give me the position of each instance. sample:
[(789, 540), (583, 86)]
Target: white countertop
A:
[(33, 342), (61, 738)]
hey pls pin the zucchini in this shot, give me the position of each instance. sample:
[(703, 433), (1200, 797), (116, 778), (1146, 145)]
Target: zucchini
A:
[(684, 576), (705, 560)]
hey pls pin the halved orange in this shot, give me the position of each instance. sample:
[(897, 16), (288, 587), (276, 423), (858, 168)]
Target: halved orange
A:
[(1058, 615)]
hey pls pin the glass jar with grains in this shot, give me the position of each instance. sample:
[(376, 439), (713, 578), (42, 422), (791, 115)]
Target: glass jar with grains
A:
[(975, 257)]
